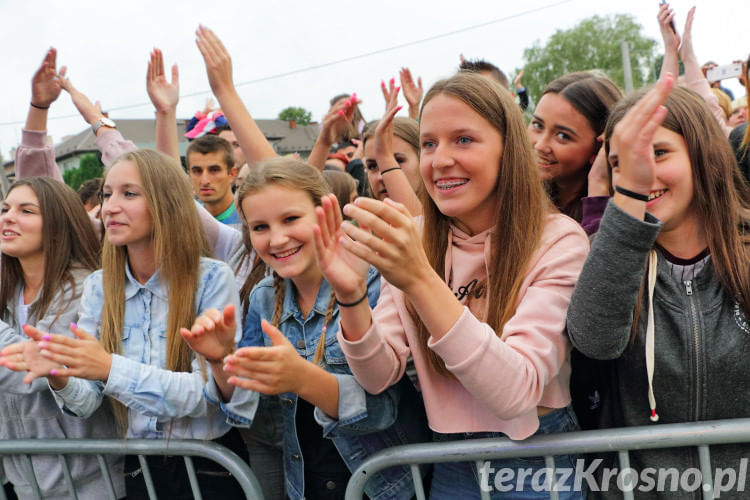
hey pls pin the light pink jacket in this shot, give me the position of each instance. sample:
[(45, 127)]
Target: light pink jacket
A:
[(500, 380)]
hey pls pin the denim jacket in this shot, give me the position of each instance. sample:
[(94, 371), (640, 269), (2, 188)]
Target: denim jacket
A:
[(366, 423), (161, 403)]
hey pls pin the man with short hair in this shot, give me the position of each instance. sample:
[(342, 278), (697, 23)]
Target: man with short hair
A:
[(210, 162)]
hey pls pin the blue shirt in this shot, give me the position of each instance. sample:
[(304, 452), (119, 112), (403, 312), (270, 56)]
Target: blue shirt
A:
[(161, 403), (366, 423)]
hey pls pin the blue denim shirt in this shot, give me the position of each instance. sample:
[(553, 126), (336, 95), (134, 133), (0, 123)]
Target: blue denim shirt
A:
[(366, 423), (161, 403)]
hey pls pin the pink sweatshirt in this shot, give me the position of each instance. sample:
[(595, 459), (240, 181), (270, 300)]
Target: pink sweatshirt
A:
[(500, 380)]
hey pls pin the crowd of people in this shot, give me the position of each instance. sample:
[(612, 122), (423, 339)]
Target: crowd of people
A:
[(456, 274)]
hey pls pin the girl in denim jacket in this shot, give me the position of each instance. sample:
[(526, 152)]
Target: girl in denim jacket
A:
[(153, 279), (299, 357)]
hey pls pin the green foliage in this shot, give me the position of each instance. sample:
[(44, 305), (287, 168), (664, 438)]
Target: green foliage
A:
[(300, 115), (593, 44), (90, 167)]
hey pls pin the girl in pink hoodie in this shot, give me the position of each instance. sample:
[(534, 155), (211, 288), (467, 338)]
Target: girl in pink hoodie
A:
[(476, 292)]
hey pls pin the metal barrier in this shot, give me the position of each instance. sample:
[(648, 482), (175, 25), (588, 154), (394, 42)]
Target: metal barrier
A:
[(141, 447), (622, 440)]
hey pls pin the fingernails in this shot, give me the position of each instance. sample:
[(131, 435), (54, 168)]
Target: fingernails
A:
[(43, 345), (347, 209), (393, 81), (47, 337), (382, 83), (399, 108), (398, 88), (73, 326), (354, 96), (53, 372), (340, 113)]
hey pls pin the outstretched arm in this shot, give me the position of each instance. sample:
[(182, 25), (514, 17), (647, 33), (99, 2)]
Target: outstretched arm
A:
[(219, 68), (164, 95)]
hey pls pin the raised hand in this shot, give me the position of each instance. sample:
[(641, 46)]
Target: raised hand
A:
[(666, 27), (383, 138), (517, 80), (212, 333), (412, 92), (45, 84), (269, 370), (90, 112), (82, 357), (163, 94), (632, 138), (389, 239), (217, 59), (338, 118), (599, 184), (687, 53), (346, 273)]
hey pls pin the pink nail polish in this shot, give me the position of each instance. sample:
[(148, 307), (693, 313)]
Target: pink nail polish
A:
[(47, 337), (354, 96), (53, 372), (341, 113), (392, 81), (382, 83), (73, 326)]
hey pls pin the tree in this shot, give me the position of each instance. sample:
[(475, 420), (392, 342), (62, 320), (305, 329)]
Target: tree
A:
[(593, 44), (90, 167), (299, 115)]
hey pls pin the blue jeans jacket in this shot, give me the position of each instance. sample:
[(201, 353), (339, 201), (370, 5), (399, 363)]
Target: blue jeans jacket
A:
[(366, 423)]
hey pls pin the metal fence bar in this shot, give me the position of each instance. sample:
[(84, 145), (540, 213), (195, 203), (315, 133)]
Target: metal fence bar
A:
[(32, 479), (624, 458), (549, 462), (68, 478), (150, 489), (687, 434), (416, 476), (106, 476), (193, 478), (142, 447), (704, 457)]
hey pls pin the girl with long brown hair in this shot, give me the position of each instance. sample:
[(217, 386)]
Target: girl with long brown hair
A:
[(289, 348), (479, 299), (128, 347), (673, 250)]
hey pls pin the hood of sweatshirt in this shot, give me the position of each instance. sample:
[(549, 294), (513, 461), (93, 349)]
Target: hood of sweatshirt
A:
[(467, 266)]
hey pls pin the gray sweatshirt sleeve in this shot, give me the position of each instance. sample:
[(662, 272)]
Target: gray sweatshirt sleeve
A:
[(601, 309)]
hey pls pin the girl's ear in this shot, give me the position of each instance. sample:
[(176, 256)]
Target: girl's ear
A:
[(597, 146)]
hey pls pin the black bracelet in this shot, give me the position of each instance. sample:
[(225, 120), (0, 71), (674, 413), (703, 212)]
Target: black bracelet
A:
[(37, 106), (389, 169), (351, 304), (631, 194)]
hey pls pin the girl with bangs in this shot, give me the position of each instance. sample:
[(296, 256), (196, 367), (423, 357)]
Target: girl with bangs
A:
[(154, 278), (478, 298)]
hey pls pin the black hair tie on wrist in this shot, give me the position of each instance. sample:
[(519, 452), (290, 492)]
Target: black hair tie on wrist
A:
[(389, 169), (352, 304), (631, 194), (37, 106)]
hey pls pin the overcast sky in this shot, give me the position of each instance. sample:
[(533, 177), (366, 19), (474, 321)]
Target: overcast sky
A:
[(106, 46)]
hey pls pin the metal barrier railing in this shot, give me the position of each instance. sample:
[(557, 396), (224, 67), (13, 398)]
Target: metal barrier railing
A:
[(622, 440), (141, 447)]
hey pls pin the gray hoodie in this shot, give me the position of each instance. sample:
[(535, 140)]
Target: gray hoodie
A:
[(29, 411), (702, 341)]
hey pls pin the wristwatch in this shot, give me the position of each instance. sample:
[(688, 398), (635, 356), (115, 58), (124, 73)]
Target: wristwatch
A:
[(103, 122)]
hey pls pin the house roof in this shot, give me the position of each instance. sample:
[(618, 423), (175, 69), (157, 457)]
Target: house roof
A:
[(284, 138)]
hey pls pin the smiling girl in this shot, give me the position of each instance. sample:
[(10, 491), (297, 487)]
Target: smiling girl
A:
[(478, 300), (564, 132), (153, 279), (299, 357), (48, 249), (673, 248)]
